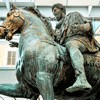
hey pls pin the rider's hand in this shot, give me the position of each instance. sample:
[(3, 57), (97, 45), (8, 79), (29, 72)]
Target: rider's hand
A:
[(81, 27)]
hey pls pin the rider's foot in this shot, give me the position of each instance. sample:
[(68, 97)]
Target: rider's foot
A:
[(80, 84)]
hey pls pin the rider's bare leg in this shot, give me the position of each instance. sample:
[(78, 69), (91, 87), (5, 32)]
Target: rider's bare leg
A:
[(75, 48)]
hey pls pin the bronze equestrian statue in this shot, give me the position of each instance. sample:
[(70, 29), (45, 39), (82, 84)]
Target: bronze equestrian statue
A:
[(41, 69)]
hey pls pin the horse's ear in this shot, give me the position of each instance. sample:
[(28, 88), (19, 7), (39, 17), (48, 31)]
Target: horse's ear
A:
[(13, 6)]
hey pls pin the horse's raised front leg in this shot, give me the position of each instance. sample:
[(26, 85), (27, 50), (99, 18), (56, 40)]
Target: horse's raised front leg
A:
[(44, 84), (13, 90)]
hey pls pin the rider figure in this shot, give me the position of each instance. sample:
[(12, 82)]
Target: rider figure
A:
[(76, 33)]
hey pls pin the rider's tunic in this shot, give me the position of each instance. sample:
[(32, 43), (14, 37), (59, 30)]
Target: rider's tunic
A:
[(67, 33)]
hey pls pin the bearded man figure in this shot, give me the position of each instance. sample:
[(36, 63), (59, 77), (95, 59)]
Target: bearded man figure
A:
[(75, 32)]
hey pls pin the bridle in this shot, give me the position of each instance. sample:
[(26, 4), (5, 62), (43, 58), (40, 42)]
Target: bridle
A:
[(19, 14)]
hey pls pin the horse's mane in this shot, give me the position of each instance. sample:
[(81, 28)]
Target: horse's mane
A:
[(44, 19)]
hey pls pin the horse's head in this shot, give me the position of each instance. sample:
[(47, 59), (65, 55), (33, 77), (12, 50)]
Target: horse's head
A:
[(24, 18), (11, 24)]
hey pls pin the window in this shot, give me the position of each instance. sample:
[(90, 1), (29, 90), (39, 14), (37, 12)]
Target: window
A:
[(96, 27), (11, 58)]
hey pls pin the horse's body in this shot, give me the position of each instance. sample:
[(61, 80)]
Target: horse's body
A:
[(39, 70)]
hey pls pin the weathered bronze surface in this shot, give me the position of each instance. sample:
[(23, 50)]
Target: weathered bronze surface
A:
[(40, 69)]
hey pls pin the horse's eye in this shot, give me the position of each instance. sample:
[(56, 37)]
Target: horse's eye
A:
[(9, 14)]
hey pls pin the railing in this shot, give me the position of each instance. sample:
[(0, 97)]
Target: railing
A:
[(8, 98), (1, 98)]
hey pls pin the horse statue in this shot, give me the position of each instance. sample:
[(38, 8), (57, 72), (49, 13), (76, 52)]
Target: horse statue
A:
[(40, 69)]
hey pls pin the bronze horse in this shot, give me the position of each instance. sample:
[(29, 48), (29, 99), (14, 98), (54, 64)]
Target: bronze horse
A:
[(40, 69)]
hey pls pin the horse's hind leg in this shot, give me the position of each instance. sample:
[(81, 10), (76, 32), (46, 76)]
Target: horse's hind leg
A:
[(44, 84)]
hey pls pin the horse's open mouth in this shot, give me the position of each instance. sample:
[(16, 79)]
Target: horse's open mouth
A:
[(3, 36), (8, 37), (3, 33)]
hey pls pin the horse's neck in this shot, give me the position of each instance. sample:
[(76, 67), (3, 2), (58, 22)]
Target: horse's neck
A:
[(35, 27)]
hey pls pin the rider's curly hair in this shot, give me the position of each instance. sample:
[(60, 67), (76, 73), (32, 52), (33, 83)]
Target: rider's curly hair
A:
[(59, 6)]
